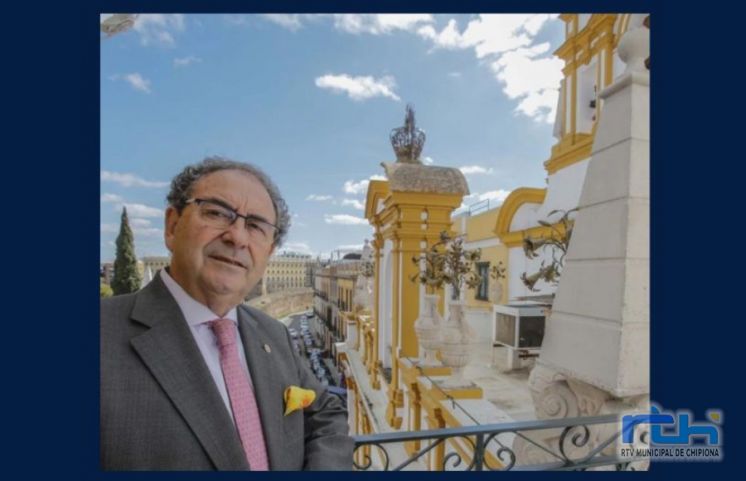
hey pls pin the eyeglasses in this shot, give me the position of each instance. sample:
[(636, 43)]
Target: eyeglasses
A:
[(221, 216)]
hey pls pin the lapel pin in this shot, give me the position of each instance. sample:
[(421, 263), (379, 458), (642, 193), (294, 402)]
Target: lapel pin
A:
[(267, 348)]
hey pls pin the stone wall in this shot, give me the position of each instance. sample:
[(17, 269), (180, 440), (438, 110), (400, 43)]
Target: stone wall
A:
[(281, 304)]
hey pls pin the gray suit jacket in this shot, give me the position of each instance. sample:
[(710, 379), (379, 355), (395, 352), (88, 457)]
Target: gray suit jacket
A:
[(161, 410)]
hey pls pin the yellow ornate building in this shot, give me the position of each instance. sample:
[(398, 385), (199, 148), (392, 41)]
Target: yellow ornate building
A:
[(389, 388), (334, 287)]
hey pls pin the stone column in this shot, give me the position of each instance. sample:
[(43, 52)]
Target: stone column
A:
[(595, 354)]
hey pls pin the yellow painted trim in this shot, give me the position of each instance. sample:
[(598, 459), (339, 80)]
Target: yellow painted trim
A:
[(377, 189), (609, 66), (523, 195), (573, 103), (425, 200), (564, 155), (580, 47), (599, 61)]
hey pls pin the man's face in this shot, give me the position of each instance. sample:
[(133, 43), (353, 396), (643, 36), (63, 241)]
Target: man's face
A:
[(204, 258)]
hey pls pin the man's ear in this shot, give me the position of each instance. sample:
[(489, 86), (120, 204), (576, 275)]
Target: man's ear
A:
[(169, 231)]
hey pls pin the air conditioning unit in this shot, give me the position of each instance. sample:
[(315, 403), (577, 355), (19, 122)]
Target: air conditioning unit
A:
[(519, 326)]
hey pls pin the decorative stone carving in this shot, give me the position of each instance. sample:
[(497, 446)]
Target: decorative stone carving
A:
[(552, 397), (363, 296), (556, 397), (428, 327)]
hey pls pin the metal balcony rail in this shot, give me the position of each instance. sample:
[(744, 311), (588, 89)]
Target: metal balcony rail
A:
[(479, 207), (578, 444)]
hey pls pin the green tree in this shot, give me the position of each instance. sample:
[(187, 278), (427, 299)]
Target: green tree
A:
[(126, 278)]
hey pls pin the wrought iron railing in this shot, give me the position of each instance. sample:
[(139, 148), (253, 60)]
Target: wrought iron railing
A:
[(575, 444)]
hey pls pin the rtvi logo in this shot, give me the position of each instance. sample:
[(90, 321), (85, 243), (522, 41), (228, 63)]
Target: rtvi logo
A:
[(673, 436)]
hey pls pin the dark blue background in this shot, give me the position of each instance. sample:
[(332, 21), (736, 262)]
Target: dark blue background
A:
[(52, 217)]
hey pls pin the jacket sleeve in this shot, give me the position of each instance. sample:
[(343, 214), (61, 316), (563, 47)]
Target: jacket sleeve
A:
[(328, 445)]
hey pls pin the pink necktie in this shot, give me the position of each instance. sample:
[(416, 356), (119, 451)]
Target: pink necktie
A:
[(243, 403)]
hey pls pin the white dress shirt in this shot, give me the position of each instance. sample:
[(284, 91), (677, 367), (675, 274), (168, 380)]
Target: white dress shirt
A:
[(197, 316)]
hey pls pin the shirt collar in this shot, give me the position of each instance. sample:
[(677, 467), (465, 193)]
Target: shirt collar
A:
[(194, 311)]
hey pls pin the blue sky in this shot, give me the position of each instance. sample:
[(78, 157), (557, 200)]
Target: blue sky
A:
[(311, 99)]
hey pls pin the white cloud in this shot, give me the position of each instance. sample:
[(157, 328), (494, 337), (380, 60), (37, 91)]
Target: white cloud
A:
[(299, 247), (533, 80), (291, 21), (319, 198), (186, 61), (344, 219), (497, 38), (475, 169), (140, 210), (106, 197), (352, 187), (129, 180), (449, 37), (375, 24), (492, 195), (354, 203), (380, 23), (498, 195), (137, 222), (528, 72), (158, 28), (146, 232), (361, 187), (454, 74), (136, 81), (295, 222), (359, 88), (428, 161), (495, 198), (139, 229)]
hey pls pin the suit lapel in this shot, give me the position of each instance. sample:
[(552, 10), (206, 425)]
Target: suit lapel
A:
[(268, 389), (171, 354)]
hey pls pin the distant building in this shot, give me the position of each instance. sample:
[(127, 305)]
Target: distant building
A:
[(151, 265), (287, 270), (107, 272), (334, 288)]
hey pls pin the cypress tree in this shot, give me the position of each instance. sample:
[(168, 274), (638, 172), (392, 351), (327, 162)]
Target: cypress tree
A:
[(126, 278)]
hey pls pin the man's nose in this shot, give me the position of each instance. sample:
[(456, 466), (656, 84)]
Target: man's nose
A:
[(237, 234)]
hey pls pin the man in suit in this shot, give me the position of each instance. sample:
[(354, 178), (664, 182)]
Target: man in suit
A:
[(192, 379)]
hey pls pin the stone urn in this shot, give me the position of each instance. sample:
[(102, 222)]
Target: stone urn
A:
[(455, 347), (428, 328)]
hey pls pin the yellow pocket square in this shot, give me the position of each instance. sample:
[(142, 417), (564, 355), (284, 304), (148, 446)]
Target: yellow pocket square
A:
[(298, 398)]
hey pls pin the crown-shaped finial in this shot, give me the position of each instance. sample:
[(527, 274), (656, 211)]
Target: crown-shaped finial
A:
[(408, 140)]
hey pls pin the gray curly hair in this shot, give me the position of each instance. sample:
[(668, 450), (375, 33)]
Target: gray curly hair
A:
[(183, 183)]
